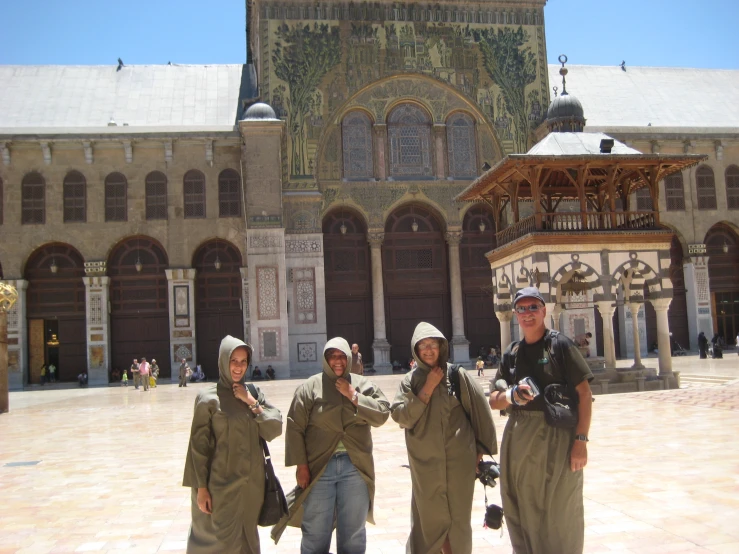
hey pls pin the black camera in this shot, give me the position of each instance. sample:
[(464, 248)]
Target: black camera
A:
[(489, 472), (493, 517)]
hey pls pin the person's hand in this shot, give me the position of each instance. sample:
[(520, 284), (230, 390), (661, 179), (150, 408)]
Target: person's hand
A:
[(578, 455), (434, 377), (523, 394), (302, 475), (344, 387), (242, 393), (205, 502)]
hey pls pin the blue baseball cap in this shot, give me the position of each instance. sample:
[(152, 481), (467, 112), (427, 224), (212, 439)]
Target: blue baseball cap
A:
[(528, 292)]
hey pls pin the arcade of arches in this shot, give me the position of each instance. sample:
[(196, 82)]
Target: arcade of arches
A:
[(378, 285)]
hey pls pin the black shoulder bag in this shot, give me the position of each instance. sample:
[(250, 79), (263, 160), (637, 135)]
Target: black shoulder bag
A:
[(275, 504)]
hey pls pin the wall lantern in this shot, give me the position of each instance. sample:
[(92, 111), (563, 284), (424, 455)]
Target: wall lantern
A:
[(482, 226), (53, 267), (414, 226)]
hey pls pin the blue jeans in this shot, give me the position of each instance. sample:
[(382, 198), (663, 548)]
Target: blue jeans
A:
[(340, 490)]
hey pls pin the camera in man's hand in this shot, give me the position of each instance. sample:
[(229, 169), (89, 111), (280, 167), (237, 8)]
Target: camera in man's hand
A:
[(532, 391), (488, 473)]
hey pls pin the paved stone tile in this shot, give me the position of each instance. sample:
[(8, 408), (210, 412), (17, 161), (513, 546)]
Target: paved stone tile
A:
[(662, 474)]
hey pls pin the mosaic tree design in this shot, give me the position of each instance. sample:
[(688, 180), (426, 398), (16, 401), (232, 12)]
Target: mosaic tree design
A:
[(512, 67), (302, 56)]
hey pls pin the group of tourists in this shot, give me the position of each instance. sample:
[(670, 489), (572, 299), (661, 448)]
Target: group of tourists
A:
[(144, 374), (448, 428), (48, 373)]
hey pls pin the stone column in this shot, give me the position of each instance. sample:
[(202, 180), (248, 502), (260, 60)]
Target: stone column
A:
[(380, 346), (245, 303), (8, 297), (549, 321), (661, 306), (459, 343), (181, 287), (607, 309), (439, 135), (556, 316), (634, 309), (380, 137), (98, 327), (505, 328), (698, 299)]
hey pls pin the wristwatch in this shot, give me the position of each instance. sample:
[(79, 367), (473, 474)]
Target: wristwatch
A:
[(355, 396), (583, 438)]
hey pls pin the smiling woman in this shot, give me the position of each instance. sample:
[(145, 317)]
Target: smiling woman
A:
[(224, 459)]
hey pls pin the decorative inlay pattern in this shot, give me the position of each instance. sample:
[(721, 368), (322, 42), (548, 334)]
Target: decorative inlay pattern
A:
[(305, 294), (265, 241), (269, 343), (13, 319), (96, 309), (245, 298), (307, 352), (183, 351), (268, 305), (302, 246), (701, 281)]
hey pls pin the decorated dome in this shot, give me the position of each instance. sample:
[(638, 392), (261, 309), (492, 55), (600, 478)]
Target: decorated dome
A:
[(258, 111)]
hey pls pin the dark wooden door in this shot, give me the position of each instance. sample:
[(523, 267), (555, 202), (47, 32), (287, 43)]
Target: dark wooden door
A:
[(405, 313), (348, 283), (72, 348), (481, 329), (210, 329), (141, 336)]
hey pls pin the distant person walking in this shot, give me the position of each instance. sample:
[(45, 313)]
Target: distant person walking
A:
[(43, 374), (124, 378), (184, 370), (135, 373), (52, 373), (702, 345), (154, 372), (357, 361), (144, 370)]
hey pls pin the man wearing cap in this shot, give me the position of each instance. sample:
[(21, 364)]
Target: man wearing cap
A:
[(541, 466)]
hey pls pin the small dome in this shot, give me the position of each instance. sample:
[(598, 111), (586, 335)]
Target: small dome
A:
[(260, 110), (567, 106)]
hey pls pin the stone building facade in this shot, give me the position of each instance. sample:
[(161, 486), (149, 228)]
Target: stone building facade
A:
[(150, 210)]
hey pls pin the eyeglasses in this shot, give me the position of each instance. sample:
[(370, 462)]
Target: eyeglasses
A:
[(429, 346), (529, 308)]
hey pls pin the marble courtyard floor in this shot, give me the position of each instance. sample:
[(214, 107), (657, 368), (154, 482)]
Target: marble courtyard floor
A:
[(99, 470)]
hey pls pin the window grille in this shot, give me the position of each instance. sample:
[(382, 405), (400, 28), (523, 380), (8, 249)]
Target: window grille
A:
[(33, 199), (460, 137), (643, 200), (194, 192), (674, 192), (74, 197), (732, 187), (357, 145), (229, 194), (115, 197), (156, 195), (414, 259), (706, 187), (409, 134)]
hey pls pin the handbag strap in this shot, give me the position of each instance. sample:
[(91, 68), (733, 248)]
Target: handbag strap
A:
[(265, 448)]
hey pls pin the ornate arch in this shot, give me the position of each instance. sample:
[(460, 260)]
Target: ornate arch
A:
[(351, 219), (428, 218), (576, 276), (634, 275)]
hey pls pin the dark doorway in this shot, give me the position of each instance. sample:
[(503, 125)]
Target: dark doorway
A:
[(481, 326), (218, 295), (56, 296), (347, 271), (722, 246), (415, 272), (139, 317)]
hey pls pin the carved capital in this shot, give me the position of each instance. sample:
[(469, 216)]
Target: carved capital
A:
[(375, 239), (504, 317), (660, 304), (453, 238), (606, 309)]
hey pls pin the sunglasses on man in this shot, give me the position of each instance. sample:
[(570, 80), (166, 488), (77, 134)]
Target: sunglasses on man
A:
[(529, 308)]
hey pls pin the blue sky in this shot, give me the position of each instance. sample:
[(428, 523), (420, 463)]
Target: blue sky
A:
[(682, 33)]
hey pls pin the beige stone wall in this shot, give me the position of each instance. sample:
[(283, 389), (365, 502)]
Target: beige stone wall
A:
[(693, 224), (95, 239)]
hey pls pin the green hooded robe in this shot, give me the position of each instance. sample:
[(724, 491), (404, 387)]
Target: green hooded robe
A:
[(443, 439), (319, 417), (225, 456)]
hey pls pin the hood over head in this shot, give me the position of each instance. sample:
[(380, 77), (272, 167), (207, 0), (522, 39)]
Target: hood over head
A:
[(427, 331), (340, 344), (228, 345)]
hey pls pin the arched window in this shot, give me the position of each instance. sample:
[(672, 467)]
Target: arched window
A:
[(356, 134), (194, 189), (675, 193), (116, 208), (409, 135), (460, 139), (643, 200), (33, 199), (706, 187), (75, 197), (156, 195), (732, 187), (229, 193)]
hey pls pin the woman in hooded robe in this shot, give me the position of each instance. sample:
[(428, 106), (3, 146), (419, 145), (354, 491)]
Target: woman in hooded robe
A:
[(445, 438), (225, 460), (328, 436)]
